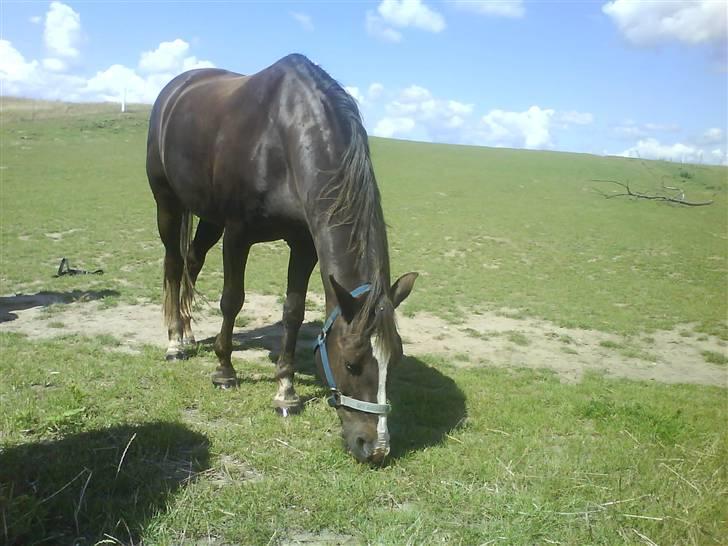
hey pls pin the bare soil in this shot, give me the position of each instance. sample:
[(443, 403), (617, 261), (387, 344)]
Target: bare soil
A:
[(486, 339)]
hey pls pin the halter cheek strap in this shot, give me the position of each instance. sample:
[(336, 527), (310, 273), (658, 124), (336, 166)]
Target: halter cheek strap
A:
[(337, 399)]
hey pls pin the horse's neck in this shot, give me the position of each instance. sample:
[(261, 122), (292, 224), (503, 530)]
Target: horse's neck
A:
[(336, 258)]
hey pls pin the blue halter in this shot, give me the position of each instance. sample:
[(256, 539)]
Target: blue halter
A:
[(337, 399)]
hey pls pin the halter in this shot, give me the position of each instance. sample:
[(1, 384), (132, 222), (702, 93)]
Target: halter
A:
[(337, 399)]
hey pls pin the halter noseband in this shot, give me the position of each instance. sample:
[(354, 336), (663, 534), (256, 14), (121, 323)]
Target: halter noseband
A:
[(337, 399)]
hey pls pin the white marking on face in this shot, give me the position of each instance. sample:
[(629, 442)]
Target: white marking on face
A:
[(382, 356)]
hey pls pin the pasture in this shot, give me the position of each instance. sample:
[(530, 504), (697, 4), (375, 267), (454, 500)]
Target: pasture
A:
[(565, 380)]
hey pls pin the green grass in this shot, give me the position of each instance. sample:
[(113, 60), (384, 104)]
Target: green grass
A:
[(152, 447), (487, 228), (98, 443), (518, 338), (715, 358)]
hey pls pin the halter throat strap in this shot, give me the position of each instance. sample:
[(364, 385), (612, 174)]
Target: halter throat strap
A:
[(337, 399)]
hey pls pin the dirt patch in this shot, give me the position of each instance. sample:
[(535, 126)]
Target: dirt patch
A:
[(487, 339)]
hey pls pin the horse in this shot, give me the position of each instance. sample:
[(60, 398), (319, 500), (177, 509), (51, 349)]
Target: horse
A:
[(280, 154)]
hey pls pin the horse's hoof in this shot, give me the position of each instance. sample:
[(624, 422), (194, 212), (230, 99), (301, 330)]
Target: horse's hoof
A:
[(287, 412), (224, 383), (286, 408), (172, 357)]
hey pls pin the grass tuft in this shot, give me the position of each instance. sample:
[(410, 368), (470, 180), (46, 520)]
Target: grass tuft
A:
[(715, 358)]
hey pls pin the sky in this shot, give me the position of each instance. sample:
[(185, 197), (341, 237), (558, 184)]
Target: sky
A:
[(639, 78)]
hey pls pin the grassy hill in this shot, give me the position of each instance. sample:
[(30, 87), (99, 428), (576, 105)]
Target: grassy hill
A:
[(104, 441), (522, 231)]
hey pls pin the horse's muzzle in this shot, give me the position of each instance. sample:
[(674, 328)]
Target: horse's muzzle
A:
[(368, 451)]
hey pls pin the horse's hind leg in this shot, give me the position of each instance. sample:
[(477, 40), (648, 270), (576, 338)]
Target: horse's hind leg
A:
[(206, 236), (235, 248), (300, 265), (169, 222)]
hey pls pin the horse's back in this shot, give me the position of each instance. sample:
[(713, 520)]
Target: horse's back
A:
[(205, 83), (183, 128), (227, 144)]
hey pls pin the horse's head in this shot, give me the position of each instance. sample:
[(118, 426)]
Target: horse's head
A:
[(357, 347)]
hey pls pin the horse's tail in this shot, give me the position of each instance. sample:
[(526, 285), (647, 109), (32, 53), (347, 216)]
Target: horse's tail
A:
[(187, 288), (186, 292)]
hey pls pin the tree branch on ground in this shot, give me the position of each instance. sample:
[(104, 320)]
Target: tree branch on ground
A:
[(677, 197)]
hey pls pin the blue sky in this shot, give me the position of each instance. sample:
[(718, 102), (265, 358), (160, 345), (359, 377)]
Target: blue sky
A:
[(624, 77)]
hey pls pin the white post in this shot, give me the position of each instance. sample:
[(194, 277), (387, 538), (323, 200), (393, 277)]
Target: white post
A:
[(123, 101)]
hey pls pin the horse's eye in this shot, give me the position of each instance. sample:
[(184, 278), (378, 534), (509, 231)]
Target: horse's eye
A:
[(353, 367)]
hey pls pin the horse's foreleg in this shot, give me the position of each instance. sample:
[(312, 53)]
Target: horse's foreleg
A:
[(235, 248), (206, 236), (300, 265)]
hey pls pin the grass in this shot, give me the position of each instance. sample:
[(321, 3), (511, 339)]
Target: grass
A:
[(152, 452), (518, 338), (563, 252), (715, 358), (96, 443)]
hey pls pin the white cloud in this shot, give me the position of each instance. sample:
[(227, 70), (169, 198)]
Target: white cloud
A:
[(414, 111), (167, 57), (109, 85), (354, 92), (628, 129), (497, 8), (398, 108), (190, 63), (390, 127), (36, 19), (662, 127), (416, 93), (649, 23), (651, 148), (454, 122), (54, 65), (572, 117), (156, 69), (13, 66), (375, 90), (62, 32), (459, 107), (170, 58), (418, 103), (719, 156), (529, 129), (19, 77), (712, 136), (411, 13), (47, 79), (377, 27), (304, 20)]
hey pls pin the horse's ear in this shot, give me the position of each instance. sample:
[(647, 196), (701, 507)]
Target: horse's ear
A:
[(402, 288), (348, 304)]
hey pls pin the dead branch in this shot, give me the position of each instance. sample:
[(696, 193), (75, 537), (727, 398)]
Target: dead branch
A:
[(678, 197)]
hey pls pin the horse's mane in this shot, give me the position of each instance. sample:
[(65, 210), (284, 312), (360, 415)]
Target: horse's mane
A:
[(355, 200)]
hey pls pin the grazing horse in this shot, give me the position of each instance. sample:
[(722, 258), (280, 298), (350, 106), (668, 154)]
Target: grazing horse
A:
[(281, 154)]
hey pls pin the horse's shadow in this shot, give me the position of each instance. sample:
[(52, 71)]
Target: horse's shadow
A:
[(91, 485), (20, 302), (426, 404), (268, 338)]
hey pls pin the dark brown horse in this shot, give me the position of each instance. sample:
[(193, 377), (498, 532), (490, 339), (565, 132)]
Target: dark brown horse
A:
[(281, 154)]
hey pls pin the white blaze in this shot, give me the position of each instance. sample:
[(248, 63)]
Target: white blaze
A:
[(382, 356)]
